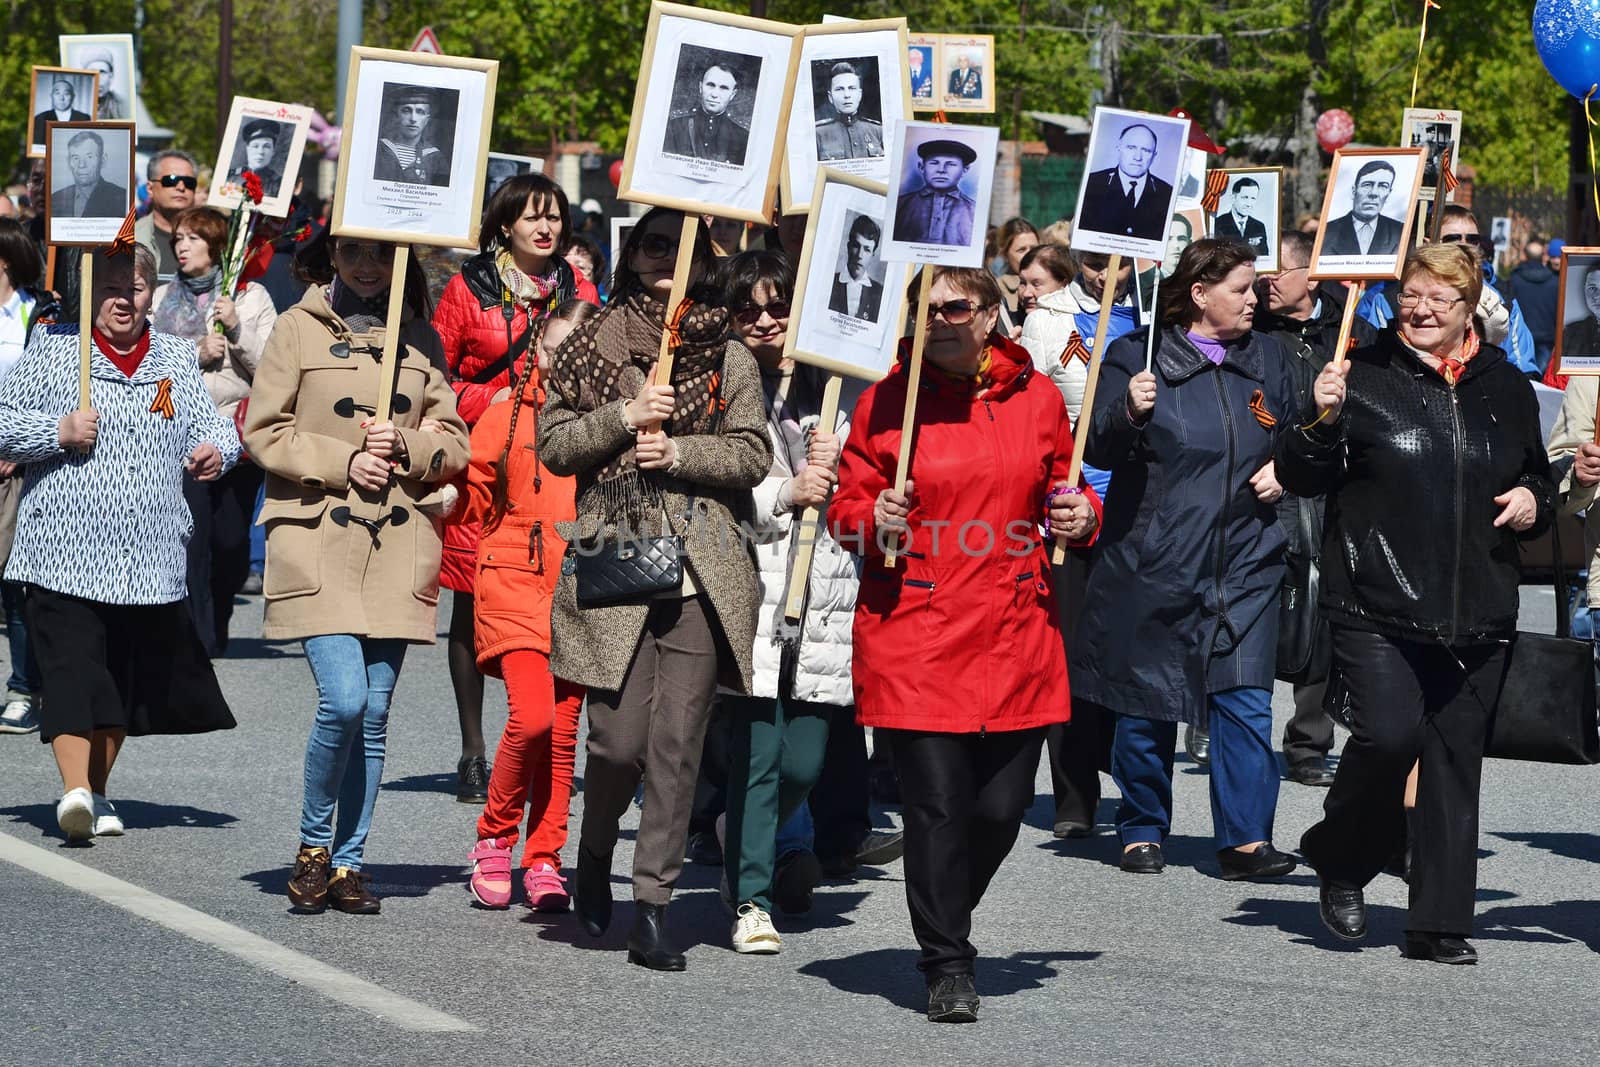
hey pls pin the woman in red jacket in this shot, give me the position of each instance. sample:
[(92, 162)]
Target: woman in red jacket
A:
[(516, 505), (486, 320), (958, 659)]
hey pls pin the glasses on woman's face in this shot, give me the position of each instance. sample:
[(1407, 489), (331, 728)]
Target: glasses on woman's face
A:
[(955, 312), (354, 254), (750, 314), (1436, 304), (655, 246)]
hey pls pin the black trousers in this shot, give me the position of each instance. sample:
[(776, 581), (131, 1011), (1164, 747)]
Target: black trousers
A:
[(964, 796), (1410, 701), (1080, 749), (1308, 735), (841, 801), (219, 549)]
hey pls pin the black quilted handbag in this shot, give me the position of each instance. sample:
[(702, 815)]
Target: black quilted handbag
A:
[(611, 572)]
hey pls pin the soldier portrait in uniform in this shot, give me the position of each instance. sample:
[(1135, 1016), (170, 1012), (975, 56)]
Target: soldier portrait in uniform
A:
[(845, 95), (966, 82), (266, 138), (262, 145), (711, 93), (109, 55), (1433, 132), (939, 193), (417, 135), (920, 58)]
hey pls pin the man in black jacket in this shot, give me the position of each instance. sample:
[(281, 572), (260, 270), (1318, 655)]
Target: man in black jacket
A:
[(1304, 318), (1535, 287), (1239, 223)]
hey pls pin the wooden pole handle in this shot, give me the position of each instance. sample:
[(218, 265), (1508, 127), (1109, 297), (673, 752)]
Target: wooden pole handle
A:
[(85, 326), (1080, 432), (919, 340), (389, 368), (810, 528), (1341, 351)]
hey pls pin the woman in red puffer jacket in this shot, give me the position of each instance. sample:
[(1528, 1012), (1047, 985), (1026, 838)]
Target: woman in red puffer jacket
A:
[(486, 320)]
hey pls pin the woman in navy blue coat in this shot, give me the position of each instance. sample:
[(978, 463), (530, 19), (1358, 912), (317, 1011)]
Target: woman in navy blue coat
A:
[(1180, 615)]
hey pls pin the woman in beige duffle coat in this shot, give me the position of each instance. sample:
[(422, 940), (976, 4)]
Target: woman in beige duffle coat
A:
[(353, 538)]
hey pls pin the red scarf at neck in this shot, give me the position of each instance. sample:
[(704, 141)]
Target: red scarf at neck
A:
[(128, 362), (1450, 367)]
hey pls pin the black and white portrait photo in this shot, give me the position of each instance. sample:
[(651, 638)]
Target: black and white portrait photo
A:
[(416, 138), (261, 148), (418, 134), (943, 181), (266, 138), (1129, 188), (712, 98), (1366, 213), (1433, 132), (110, 56), (848, 112), (1248, 212), (1577, 349), (716, 91), (88, 182), (59, 95), (502, 167), (848, 299)]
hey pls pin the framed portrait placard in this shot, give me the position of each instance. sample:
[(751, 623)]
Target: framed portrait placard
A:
[(1187, 225), (621, 226), (110, 56), (1129, 189), (1577, 349), (1250, 212), (502, 167), (850, 323), (853, 86), (1432, 132), (941, 183), (266, 138), (1367, 215), (966, 66), (922, 59), (88, 173), (709, 112), (415, 143), (60, 94)]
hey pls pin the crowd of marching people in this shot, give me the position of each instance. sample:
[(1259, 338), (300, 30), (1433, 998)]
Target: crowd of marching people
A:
[(619, 549)]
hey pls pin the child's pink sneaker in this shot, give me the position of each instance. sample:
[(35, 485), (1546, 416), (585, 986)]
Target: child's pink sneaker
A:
[(490, 884), (546, 889)]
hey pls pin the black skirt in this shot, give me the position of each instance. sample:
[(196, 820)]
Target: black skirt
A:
[(134, 667)]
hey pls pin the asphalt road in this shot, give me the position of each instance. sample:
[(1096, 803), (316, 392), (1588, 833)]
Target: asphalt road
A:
[(174, 944)]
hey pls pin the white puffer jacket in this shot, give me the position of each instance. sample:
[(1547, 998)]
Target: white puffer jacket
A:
[(1047, 329), (822, 672)]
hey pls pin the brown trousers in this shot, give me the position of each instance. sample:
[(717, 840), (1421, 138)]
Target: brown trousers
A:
[(653, 727)]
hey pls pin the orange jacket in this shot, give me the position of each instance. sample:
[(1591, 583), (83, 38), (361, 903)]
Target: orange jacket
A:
[(519, 557)]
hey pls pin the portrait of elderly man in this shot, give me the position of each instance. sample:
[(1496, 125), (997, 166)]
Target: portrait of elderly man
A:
[(845, 133), (1365, 230), (112, 102), (966, 80), (938, 213), (920, 59), (855, 293), (1239, 222), (260, 140), (90, 195), (63, 99), (1128, 199), (708, 130)]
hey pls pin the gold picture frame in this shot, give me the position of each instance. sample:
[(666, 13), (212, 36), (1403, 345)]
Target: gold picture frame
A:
[(1336, 255)]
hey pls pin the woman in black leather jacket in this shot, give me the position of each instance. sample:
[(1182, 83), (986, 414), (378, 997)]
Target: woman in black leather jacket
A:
[(1428, 446)]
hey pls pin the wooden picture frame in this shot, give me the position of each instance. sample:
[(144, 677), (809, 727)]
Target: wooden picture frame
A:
[(1102, 222), (108, 204), (978, 51), (428, 191), (679, 154), (1577, 348), (818, 135), (906, 239), (111, 56), (861, 345), (1336, 253), (1266, 212), (1420, 127), (41, 108), (288, 125)]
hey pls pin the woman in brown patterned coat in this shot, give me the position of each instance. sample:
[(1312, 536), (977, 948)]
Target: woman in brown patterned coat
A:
[(652, 663)]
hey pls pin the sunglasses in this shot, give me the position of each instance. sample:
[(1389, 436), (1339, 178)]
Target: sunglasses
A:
[(172, 181), (654, 246), (359, 253), (750, 314), (955, 312), (1452, 237)]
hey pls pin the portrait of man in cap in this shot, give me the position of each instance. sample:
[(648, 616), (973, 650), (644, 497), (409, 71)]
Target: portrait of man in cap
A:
[(60, 106), (113, 103), (845, 133), (939, 212), (1127, 199), (258, 141), (708, 130), (405, 149)]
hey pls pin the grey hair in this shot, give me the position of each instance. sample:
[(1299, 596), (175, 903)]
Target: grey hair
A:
[(151, 171), (144, 263)]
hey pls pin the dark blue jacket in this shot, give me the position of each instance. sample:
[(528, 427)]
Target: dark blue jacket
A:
[(1182, 596)]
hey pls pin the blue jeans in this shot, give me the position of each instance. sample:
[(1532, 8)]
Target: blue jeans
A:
[(258, 534), (797, 834), (24, 671), (355, 679), (1244, 771)]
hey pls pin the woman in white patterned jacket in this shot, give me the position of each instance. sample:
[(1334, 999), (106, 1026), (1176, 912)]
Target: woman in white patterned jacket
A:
[(102, 529)]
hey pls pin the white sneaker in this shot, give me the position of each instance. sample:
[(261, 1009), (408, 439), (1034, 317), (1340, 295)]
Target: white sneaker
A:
[(107, 823), (21, 715), (753, 932), (75, 814)]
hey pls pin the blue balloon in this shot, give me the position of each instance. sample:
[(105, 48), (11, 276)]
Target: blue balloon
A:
[(1567, 36)]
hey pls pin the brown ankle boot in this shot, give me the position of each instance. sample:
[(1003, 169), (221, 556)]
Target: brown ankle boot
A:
[(308, 886), (348, 892)]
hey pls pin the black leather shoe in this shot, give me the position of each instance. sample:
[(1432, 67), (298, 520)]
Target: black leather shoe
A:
[(592, 898), (704, 849), (1197, 742), (953, 998), (880, 847), (1344, 911), (1312, 772), (1264, 862), (794, 878), (647, 942), (1440, 948), (472, 780), (1071, 828), (1144, 858)]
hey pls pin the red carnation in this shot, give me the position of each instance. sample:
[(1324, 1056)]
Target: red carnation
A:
[(252, 186)]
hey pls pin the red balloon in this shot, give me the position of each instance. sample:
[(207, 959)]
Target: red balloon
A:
[(616, 174), (1335, 129)]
